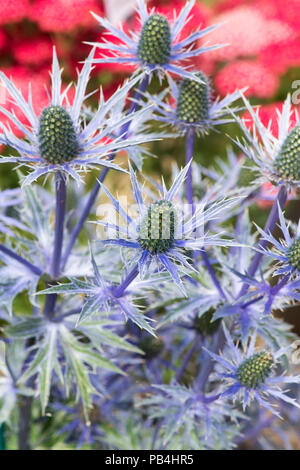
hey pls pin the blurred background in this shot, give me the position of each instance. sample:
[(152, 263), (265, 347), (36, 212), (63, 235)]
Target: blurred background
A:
[(263, 53)]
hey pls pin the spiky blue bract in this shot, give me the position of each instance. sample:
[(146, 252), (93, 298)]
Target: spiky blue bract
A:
[(285, 251), (172, 233), (156, 47), (276, 157), (60, 139), (250, 375)]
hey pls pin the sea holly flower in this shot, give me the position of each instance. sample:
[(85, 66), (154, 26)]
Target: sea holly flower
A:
[(251, 374), (285, 251), (162, 232), (192, 106), (60, 139), (275, 158), (191, 417), (157, 47)]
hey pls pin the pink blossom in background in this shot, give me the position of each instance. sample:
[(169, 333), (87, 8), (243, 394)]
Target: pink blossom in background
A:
[(34, 51), (247, 32), (261, 82), (64, 15), (12, 11)]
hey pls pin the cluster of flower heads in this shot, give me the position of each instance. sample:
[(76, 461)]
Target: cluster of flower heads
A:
[(178, 282)]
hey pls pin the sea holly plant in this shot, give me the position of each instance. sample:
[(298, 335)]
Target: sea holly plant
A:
[(150, 317)]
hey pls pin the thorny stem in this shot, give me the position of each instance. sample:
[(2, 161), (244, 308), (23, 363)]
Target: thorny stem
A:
[(21, 260), (269, 227), (92, 198)]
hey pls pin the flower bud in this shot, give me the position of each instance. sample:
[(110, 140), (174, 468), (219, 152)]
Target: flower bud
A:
[(287, 163), (194, 100), (157, 227), (57, 136), (155, 43), (293, 254), (253, 371)]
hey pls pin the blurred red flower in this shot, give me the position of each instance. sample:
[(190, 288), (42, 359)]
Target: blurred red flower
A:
[(261, 82), (12, 11), (280, 57), (2, 39), (64, 15), (247, 32), (34, 51), (21, 77)]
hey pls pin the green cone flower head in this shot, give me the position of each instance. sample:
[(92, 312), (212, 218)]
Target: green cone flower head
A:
[(253, 371), (287, 163), (194, 100), (57, 137), (158, 227), (155, 42), (293, 254)]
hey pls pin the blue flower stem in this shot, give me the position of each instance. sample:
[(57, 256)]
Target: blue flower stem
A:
[(21, 260), (269, 227), (61, 197), (189, 145), (188, 357), (93, 195), (212, 273), (208, 363), (119, 291), (60, 211), (2, 437)]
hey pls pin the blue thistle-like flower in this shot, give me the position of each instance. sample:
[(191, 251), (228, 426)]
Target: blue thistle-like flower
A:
[(285, 251), (60, 139), (163, 232), (157, 47), (193, 106), (251, 374), (276, 158)]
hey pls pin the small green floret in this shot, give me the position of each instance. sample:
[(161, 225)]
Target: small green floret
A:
[(194, 100), (158, 227), (57, 137), (254, 370), (155, 43), (293, 254), (287, 162)]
